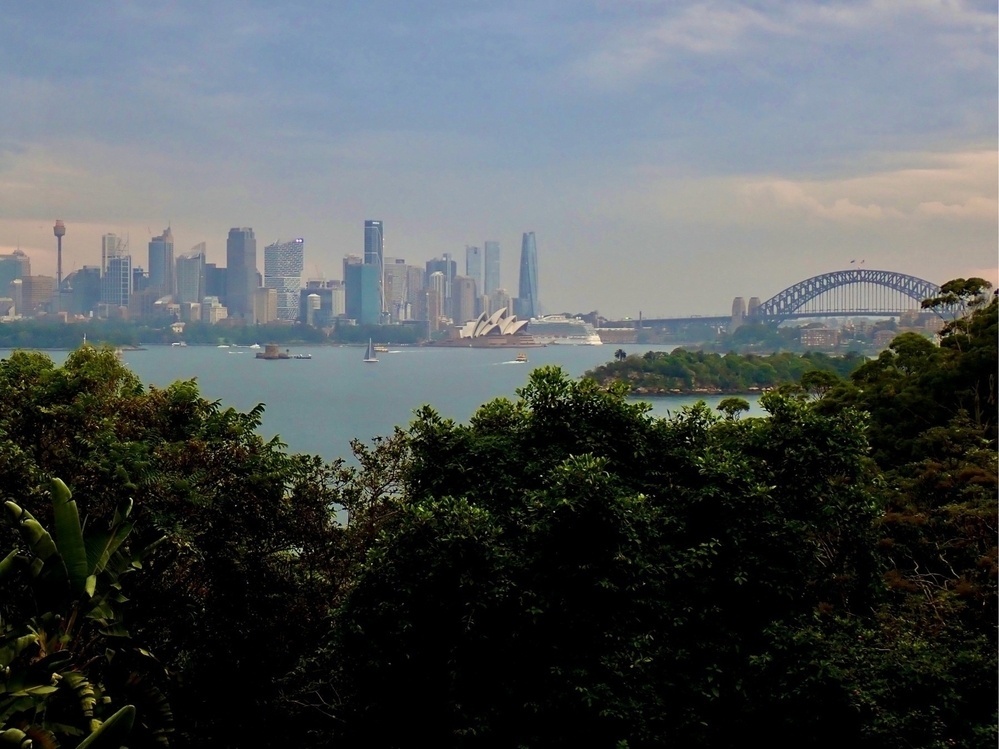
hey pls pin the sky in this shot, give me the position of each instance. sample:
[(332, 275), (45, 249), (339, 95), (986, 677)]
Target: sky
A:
[(668, 155)]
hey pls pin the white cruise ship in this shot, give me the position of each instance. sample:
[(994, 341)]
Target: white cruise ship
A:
[(559, 329)]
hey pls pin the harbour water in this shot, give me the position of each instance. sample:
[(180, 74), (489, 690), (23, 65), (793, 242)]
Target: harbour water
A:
[(317, 405)]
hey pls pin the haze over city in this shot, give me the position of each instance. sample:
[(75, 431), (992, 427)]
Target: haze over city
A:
[(669, 156)]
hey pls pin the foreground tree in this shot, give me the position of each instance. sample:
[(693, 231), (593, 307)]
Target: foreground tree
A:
[(604, 578), (250, 559)]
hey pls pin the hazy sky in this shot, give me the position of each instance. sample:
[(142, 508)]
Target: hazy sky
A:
[(668, 155)]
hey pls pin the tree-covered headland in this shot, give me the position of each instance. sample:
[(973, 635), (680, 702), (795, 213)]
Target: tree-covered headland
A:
[(563, 570), (682, 371)]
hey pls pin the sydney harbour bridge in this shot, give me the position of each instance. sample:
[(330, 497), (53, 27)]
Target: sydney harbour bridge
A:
[(846, 293)]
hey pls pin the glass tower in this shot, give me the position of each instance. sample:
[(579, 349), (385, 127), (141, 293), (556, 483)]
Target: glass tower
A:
[(374, 254), (191, 275), (527, 298), (473, 266), (161, 267), (492, 270), (283, 266), (241, 273)]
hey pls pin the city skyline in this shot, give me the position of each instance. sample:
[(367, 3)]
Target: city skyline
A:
[(674, 155)]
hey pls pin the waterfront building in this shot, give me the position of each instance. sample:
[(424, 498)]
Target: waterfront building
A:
[(527, 298), (283, 266), (491, 272), (241, 273), (161, 264), (192, 275), (374, 254)]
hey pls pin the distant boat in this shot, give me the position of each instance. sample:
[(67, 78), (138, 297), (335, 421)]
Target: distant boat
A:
[(301, 356), (369, 355), (381, 349), (521, 357)]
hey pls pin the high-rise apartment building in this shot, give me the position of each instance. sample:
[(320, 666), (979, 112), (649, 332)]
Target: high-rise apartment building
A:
[(161, 264), (527, 298), (491, 279), (283, 266), (473, 266), (191, 275), (374, 254), (241, 273)]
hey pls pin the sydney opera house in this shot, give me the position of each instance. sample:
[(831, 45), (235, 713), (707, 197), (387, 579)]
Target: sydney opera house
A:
[(501, 329)]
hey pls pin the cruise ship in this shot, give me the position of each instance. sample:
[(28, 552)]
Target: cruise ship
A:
[(559, 329)]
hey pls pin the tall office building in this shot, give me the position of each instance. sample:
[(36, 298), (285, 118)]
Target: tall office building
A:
[(362, 299), (241, 273), (112, 246), (374, 254), (464, 300), (527, 298), (396, 278), (473, 266), (116, 271), (14, 265), (191, 276), (82, 290), (283, 266), (161, 267), (491, 280)]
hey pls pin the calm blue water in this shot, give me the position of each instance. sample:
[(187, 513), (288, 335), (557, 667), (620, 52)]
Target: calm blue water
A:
[(318, 405)]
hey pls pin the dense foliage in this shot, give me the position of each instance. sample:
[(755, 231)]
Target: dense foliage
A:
[(562, 570), (683, 371)]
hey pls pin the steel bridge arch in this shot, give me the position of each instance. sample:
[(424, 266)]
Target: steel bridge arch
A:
[(783, 305)]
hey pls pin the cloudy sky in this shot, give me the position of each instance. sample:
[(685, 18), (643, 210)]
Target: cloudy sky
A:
[(668, 155)]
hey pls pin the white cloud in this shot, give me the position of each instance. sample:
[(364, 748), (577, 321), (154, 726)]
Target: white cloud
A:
[(945, 186)]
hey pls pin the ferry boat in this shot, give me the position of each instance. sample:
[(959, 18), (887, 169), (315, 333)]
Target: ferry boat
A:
[(521, 357), (560, 329)]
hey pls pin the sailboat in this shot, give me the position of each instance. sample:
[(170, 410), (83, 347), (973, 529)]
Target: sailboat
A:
[(369, 355)]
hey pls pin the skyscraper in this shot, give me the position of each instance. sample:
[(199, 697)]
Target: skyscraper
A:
[(241, 273), (491, 281), (161, 268), (15, 265), (116, 271), (473, 266), (283, 266), (374, 254), (191, 275), (527, 298)]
